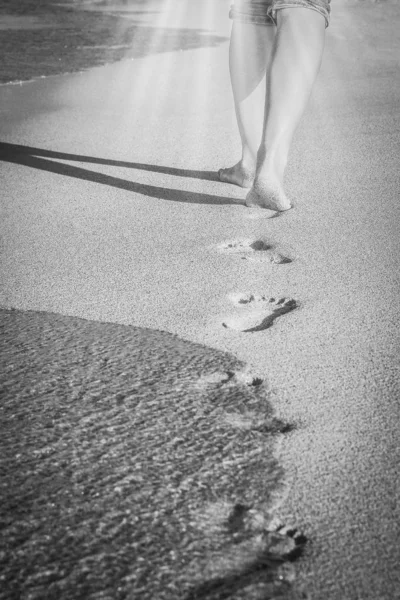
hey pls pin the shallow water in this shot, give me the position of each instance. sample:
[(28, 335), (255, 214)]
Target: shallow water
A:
[(136, 464), (51, 37)]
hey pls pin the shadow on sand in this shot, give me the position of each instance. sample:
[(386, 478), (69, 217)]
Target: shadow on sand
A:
[(37, 158)]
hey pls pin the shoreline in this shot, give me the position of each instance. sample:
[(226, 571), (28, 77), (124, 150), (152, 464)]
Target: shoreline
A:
[(62, 74)]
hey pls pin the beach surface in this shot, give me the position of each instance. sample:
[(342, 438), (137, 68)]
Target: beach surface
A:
[(112, 213)]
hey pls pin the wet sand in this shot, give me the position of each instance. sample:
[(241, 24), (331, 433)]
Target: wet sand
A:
[(113, 213), (110, 482)]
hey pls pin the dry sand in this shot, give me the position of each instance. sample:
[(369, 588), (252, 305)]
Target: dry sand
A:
[(114, 214)]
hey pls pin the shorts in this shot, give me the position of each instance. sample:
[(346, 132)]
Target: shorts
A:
[(263, 12)]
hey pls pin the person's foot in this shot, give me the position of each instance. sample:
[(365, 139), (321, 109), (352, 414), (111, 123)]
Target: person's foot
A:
[(267, 192), (237, 175)]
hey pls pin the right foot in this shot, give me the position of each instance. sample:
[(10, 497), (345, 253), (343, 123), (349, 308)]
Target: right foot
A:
[(238, 175), (257, 312), (268, 193)]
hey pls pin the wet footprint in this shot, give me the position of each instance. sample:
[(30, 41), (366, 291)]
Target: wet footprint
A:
[(255, 250), (257, 312)]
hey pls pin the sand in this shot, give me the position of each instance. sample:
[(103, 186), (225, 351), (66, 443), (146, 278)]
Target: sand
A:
[(114, 214)]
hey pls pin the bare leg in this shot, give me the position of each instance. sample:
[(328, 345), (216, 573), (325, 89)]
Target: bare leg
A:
[(249, 54), (295, 62)]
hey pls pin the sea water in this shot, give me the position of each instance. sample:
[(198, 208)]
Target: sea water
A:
[(39, 38), (48, 37)]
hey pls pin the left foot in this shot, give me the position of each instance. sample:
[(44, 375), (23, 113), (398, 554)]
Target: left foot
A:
[(238, 175)]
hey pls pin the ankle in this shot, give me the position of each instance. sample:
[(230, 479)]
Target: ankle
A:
[(248, 160), (271, 162)]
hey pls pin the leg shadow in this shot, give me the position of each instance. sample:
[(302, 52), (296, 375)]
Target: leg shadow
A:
[(37, 158)]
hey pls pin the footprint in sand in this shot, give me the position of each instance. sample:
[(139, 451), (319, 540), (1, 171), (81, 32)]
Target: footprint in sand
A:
[(257, 312), (255, 250)]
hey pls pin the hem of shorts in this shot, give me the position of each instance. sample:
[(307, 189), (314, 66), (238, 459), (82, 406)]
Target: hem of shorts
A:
[(250, 19), (272, 12), (270, 19)]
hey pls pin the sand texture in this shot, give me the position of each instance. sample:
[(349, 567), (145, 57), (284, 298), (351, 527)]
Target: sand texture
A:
[(112, 212)]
